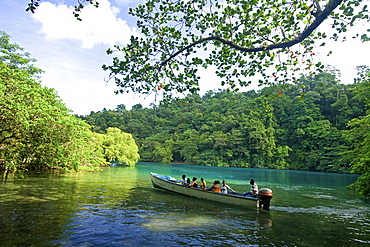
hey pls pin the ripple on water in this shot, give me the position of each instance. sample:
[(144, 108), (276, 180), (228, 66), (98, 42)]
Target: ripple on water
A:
[(342, 212)]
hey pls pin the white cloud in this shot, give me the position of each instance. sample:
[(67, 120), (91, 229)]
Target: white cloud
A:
[(99, 25)]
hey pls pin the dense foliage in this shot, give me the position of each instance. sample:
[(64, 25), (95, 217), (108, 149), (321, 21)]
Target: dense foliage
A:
[(299, 126), (37, 131), (359, 137), (239, 40), (120, 146)]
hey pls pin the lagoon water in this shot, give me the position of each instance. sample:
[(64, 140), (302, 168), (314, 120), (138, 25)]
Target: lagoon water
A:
[(119, 207)]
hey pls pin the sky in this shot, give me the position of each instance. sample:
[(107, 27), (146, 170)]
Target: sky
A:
[(72, 52)]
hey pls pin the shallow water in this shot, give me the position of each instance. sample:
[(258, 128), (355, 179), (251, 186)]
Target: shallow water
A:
[(119, 207)]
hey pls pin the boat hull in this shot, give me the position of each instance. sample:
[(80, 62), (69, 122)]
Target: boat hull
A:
[(171, 184)]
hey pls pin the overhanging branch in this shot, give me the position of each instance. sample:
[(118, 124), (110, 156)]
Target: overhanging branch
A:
[(320, 17)]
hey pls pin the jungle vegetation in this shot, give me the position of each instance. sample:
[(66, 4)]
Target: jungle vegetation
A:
[(37, 131)]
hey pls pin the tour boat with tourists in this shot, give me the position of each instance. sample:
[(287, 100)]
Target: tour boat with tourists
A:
[(262, 199)]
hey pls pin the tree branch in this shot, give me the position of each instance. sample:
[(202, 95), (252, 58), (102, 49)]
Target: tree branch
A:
[(320, 17)]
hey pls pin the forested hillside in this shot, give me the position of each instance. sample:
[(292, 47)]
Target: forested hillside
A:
[(301, 126)]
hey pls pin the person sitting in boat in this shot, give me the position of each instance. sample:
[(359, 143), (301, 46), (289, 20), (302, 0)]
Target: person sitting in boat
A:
[(194, 183), (187, 181), (184, 179), (203, 185), (225, 187), (216, 186), (254, 189)]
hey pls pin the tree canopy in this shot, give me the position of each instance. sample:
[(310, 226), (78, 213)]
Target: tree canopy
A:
[(120, 146), (241, 40), (37, 130), (15, 56), (359, 136)]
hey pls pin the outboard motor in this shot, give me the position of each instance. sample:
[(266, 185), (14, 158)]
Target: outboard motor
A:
[(264, 197)]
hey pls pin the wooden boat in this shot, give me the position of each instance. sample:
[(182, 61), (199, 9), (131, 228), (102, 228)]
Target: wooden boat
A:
[(174, 185)]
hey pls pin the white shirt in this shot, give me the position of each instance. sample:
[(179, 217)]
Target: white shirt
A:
[(225, 188), (254, 187)]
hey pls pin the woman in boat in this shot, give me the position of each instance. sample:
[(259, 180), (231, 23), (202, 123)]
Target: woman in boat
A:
[(216, 186), (225, 187), (194, 183), (203, 185)]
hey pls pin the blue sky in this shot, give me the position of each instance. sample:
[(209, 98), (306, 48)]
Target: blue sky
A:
[(71, 52)]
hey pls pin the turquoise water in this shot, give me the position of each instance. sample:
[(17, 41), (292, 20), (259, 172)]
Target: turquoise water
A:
[(119, 207)]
